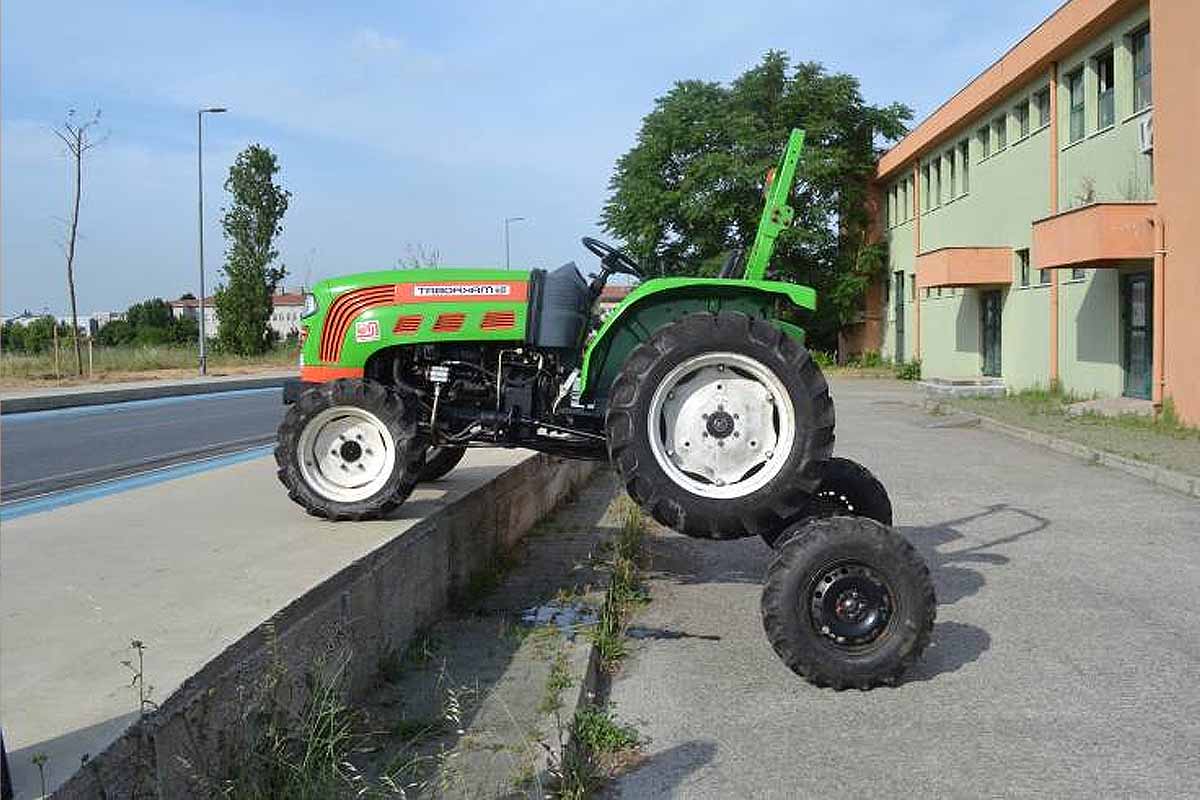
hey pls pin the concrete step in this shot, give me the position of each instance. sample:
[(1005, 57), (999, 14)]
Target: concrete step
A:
[(964, 387)]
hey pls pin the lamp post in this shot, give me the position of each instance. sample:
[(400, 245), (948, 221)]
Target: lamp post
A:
[(200, 215), (508, 221)]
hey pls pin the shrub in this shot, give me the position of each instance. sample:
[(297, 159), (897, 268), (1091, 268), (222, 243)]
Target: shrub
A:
[(822, 358), (909, 370)]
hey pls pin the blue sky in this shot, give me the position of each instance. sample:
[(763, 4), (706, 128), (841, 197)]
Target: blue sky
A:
[(396, 123)]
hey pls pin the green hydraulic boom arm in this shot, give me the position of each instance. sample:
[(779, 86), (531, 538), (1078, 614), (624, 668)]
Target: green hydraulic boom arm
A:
[(777, 214)]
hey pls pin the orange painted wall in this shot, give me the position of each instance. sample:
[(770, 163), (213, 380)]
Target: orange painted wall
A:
[(1176, 87)]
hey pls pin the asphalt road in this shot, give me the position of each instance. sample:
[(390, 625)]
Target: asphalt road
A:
[(48, 451), (1064, 661)]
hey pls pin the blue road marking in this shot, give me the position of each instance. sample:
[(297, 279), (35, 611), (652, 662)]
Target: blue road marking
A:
[(35, 505), (133, 405)]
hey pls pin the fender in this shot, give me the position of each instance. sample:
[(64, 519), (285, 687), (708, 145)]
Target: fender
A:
[(661, 301)]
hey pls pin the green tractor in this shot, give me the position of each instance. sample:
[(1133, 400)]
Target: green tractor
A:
[(699, 391)]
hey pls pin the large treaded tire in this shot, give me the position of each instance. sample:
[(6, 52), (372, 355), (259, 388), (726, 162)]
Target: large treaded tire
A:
[(439, 461), (847, 488), (400, 418), (803, 558), (771, 506)]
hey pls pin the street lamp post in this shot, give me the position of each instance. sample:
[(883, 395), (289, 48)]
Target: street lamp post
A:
[(508, 221), (200, 214)]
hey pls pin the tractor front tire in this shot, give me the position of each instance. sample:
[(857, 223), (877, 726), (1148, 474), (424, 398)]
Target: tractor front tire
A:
[(848, 488), (848, 603), (439, 461), (349, 449), (719, 425)]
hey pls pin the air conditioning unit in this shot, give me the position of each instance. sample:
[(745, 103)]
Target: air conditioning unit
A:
[(1146, 134)]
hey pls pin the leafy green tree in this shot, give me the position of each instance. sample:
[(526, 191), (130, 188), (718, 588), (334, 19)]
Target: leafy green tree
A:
[(690, 190), (115, 333), (251, 224)]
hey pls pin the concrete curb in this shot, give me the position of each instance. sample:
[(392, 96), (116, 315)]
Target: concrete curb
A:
[(369, 608), (118, 394), (1160, 476)]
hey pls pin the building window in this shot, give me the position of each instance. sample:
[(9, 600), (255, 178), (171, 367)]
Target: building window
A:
[(1042, 100), (985, 142), (1105, 115), (952, 174), (1075, 92), (1078, 274), (965, 148), (1021, 115), (1000, 126), (1140, 44), (936, 172), (926, 193), (1044, 276), (1023, 266)]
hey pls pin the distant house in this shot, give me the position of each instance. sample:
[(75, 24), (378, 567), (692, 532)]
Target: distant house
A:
[(612, 296), (286, 308)]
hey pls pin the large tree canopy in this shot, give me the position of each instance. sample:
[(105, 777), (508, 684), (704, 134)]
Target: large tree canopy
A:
[(691, 189)]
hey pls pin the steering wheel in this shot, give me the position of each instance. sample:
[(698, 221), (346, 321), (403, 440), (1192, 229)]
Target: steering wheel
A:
[(614, 260)]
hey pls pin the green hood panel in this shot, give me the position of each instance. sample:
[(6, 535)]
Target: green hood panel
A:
[(361, 313)]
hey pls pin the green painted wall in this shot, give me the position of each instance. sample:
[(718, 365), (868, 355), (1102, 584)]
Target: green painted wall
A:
[(1105, 165), (1089, 333)]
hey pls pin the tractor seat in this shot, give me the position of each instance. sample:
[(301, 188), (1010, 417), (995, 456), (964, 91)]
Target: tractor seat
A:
[(733, 266)]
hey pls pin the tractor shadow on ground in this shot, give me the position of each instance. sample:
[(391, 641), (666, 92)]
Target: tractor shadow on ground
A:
[(953, 576), (663, 774), (956, 644)]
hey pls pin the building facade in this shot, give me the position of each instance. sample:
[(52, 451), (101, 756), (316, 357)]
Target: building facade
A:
[(1042, 223), (286, 308)]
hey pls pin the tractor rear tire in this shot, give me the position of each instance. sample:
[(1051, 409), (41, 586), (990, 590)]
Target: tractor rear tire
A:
[(439, 461), (349, 449), (848, 603), (848, 488), (720, 425)]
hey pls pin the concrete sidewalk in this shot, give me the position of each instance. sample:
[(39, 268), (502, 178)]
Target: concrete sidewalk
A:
[(1063, 663), (188, 567)]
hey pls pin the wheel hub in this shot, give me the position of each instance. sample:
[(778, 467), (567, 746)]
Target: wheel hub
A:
[(351, 451), (720, 424), (717, 422), (850, 604), (346, 453)]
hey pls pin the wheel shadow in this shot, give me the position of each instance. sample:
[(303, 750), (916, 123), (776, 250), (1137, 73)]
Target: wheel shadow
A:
[(953, 549), (954, 576)]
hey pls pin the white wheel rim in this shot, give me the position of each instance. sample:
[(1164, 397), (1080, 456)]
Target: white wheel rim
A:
[(721, 425), (346, 454)]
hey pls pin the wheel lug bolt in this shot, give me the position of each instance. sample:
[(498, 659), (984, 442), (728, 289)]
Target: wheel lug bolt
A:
[(735, 416), (769, 454), (736, 434), (720, 443)]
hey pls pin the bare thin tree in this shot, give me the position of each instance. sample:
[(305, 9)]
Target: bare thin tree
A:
[(77, 135)]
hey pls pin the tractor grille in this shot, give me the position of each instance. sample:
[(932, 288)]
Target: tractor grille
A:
[(407, 325), (342, 312), (449, 323), (498, 320)]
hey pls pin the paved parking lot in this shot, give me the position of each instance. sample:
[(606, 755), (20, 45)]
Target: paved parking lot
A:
[(1065, 659)]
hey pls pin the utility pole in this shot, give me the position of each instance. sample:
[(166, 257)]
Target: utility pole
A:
[(508, 221), (200, 214)]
